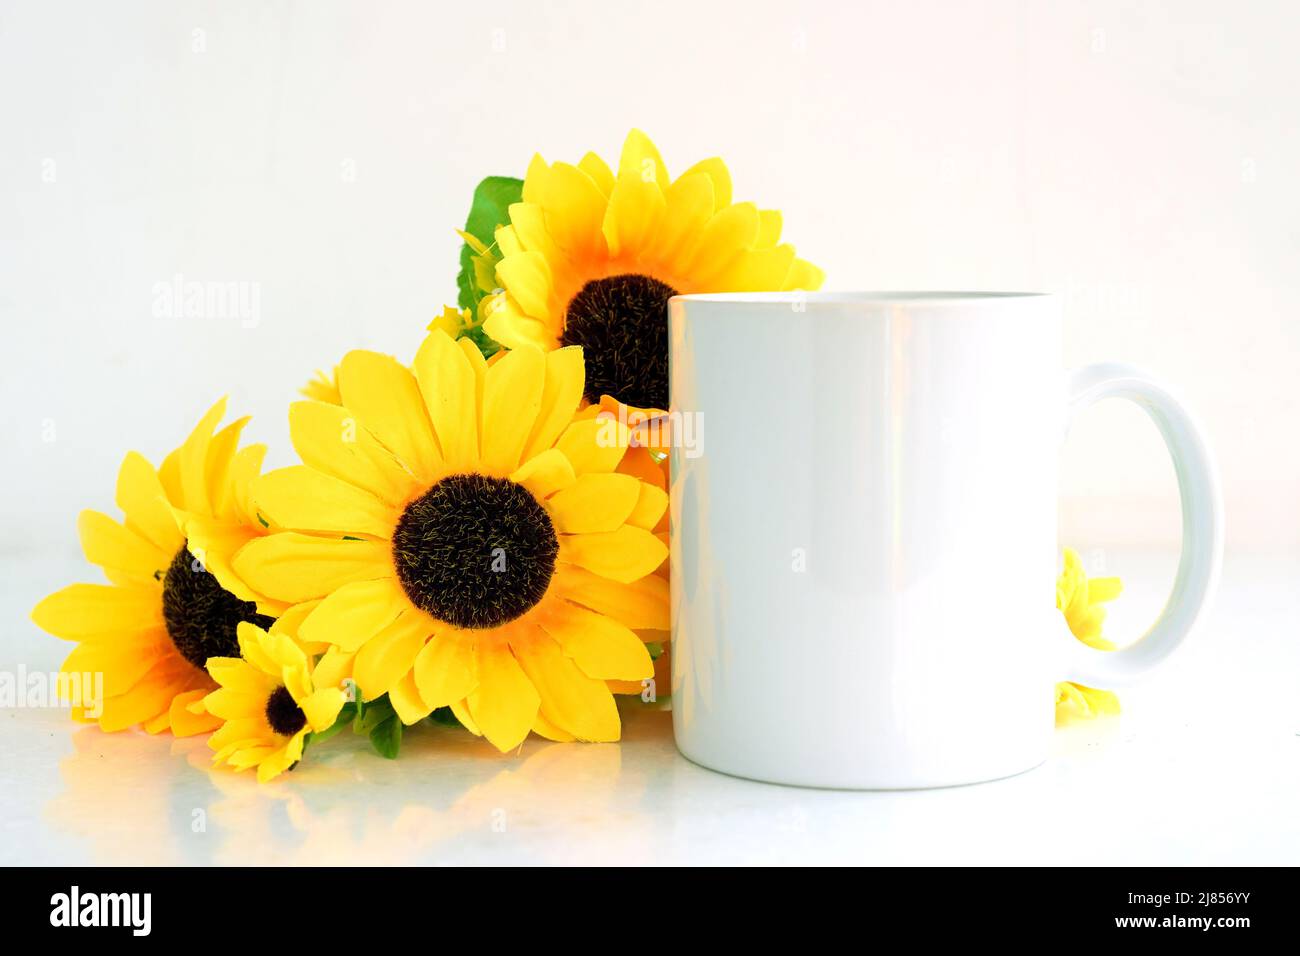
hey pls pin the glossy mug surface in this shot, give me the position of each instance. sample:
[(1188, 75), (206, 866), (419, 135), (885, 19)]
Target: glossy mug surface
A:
[(864, 550)]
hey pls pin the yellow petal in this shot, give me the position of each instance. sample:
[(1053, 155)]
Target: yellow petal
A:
[(594, 444), (169, 475), (329, 439), (322, 388), (528, 223), (141, 497), (272, 765), (230, 704), (561, 395), (508, 244), (389, 655), (527, 276), (448, 384), (535, 179), (640, 463), (575, 208), (304, 499), (215, 543), (110, 545), (569, 698), (479, 363), (333, 668), (157, 725), (235, 673), (221, 453), (123, 659), (640, 160), (689, 207), (407, 702), (446, 669), (152, 695), (544, 728), (1103, 589), (252, 651), (507, 324), (512, 396), (623, 555), (246, 466), (247, 757), (642, 605), (636, 208), (602, 647), (545, 474), (461, 709), (729, 233), (237, 732), (82, 610), (290, 622), (717, 171), (386, 400), (598, 170), (769, 228), (298, 567), (297, 682), (804, 275), (321, 707), (505, 703), (651, 504), (354, 613), (595, 502), (185, 722), (1076, 702), (757, 270), (192, 461), (280, 647)]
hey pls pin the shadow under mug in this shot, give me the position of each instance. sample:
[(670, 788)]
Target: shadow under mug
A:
[(864, 552)]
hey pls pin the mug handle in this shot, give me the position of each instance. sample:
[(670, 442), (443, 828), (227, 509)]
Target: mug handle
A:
[(1202, 507)]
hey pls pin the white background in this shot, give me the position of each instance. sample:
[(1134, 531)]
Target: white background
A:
[(1140, 159)]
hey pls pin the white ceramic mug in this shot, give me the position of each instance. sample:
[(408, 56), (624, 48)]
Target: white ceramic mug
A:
[(864, 552)]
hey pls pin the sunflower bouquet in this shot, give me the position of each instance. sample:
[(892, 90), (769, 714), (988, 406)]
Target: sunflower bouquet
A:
[(477, 533)]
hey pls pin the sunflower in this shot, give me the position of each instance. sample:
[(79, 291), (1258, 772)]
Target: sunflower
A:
[(269, 703), (591, 258), (1080, 599), (172, 601), (468, 542)]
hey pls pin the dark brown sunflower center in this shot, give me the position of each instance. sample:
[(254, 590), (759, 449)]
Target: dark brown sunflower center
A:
[(475, 551), (283, 713), (622, 325), (201, 616)]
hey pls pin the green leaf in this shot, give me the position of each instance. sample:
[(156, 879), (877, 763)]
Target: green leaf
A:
[(444, 716), (490, 208), (386, 738), (376, 712), (486, 344)]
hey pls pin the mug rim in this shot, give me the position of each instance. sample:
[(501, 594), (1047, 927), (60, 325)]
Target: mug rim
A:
[(849, 297)]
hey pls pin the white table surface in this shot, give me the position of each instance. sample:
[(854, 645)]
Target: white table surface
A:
[(1203, 767)]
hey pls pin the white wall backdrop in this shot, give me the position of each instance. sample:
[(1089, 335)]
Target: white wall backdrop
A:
[(1139, 158)]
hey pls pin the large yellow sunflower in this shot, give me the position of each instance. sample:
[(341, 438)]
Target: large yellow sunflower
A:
[(268, 701), (591, 258), (468, 540), (172, 601)]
